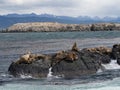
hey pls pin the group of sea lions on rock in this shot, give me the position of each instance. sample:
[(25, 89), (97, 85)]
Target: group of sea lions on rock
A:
[(28, 57), (70, 63)]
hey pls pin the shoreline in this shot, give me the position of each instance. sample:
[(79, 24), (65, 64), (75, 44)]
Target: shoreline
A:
[(59, 27), (55, 31)]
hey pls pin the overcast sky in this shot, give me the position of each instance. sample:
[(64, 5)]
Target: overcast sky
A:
[(62, 7)]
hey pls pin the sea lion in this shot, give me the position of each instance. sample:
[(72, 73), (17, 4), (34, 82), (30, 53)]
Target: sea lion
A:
[(74, 47), (71, 56), (24, 58)]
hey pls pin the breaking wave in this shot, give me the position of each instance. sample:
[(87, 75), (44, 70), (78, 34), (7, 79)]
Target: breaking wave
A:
[(112, 65)]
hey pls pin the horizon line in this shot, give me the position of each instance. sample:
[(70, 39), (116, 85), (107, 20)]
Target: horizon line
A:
[(59, 15)]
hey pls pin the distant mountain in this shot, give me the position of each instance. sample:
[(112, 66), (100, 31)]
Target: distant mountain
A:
[(10, 19)]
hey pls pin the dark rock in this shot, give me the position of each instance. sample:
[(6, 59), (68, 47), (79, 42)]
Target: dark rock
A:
[(116, 52), (71, 63), (103, 53), (105, 59), (38, 68), (118, 61), (87, 63)]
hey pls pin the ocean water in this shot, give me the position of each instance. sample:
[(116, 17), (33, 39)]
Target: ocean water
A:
[(13, 45)]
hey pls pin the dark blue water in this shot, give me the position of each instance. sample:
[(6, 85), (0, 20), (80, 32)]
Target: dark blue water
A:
[(12, 45), (58, 35)]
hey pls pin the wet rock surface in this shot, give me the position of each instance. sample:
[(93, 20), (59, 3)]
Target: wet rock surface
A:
[(85, 64), (116, 52), (69, 63)]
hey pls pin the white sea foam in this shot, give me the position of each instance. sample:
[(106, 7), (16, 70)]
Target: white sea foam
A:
[(50, 73), (3, 75), (112, 65), (51, 76), (25, 76), (99, 71)]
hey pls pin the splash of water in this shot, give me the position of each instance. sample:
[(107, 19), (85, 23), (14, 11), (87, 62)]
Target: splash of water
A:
[(25, 76), (112, 65), (50, 73), (99, 70)]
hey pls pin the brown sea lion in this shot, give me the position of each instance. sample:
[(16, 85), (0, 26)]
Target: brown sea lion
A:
[(74, 47)]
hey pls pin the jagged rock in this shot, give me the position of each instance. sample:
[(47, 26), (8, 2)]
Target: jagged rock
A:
[(104, 26), (118, 61), (86, 63), (70, 63), (105, 59), (36, 65), (103, 53), (116, 52)]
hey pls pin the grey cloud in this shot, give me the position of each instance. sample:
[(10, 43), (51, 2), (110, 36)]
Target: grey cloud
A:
[(2, 1), (47, 4), (44, 4), (63, 7)]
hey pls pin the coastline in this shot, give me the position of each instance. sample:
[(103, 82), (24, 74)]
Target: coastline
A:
[(59, 27)]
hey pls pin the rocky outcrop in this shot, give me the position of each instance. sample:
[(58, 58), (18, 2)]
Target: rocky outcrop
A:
[(69, 63), (103, 52), (86, 63), (116, 52), (36, 65), (105, 27), (46, 27), (53, 27)]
